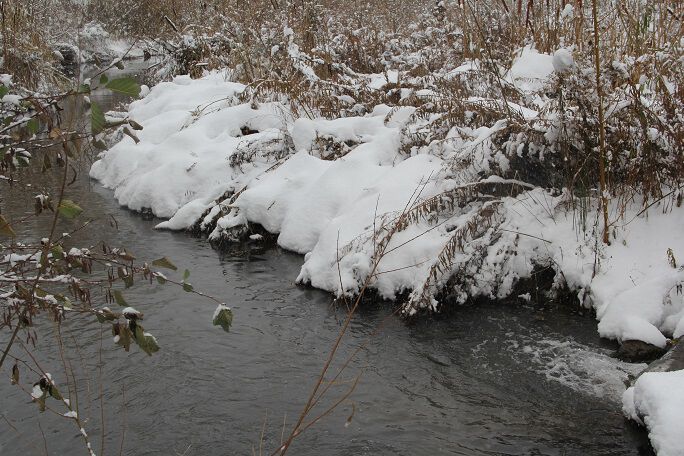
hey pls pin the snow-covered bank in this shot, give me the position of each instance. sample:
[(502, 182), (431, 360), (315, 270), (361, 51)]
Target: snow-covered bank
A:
[(92, 44), (201, 142), (95, 43), (372, 196), (657, 401)]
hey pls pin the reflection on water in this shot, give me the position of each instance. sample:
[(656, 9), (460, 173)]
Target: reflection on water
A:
[(490, 380)]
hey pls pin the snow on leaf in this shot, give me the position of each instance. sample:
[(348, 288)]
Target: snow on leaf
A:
[(148, 343), (223, 317)]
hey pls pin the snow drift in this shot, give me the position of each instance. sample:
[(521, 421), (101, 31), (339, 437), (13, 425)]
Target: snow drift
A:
[(201, 142)]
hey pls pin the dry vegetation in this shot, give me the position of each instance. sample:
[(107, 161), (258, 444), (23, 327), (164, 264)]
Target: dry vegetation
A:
[(317, 70), (610, 127)]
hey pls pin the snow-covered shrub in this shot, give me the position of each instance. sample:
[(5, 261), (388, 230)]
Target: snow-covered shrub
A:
[(458, 145), (30, 30)]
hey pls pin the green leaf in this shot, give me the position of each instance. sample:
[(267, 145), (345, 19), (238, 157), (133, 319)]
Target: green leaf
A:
[(84, 88), (187, 287), (57, 252), (161, 279), (127, 86), (40, 292), (223, 317), (41, 402), (3, 91), (97, 119), (5, 228), (186, 274), (66, 303), (69, 209), (138, 331), (148, 343), (104, 79), (164, 263), (118, 297), (54, 392), (33, 126)]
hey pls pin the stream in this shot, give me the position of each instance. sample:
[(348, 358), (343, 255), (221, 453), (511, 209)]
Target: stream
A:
[(491, 379)]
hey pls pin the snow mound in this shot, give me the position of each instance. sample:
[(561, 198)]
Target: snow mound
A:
[(334, 190), (657, 400), (531, 70), (192, 130), (562, 60)]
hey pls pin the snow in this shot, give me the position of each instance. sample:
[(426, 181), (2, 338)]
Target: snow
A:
[(634, 289), (377, 81), (335, 209), (657, 400), (36, 392), (562, 60), (11, 99), (466, 67), (568, 12), (178, 159), (531, 69), (130, 311), (219, 309)]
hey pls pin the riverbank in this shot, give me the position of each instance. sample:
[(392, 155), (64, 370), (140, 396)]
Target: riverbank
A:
[(195, 165), (211, 160), (438, 156)]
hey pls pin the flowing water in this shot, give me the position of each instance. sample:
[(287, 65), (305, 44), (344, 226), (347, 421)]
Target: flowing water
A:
[(489, 380)]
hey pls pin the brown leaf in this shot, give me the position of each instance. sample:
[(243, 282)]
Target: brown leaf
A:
[(5, 228)]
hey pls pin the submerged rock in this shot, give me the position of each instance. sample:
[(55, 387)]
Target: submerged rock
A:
[(673, 360), (637, 351)]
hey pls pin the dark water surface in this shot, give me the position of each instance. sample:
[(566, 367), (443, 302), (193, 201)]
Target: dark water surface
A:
[(491, 380)]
